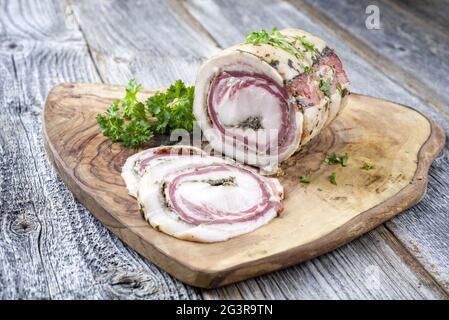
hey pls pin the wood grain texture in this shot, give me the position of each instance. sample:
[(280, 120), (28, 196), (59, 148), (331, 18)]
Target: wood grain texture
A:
[(434, 14), (87, 14), (420, 44), (404, 49), (149, 41), (425, 234), (50, 245), (68, 254), (314, 221), (361, 269), (184, 25)]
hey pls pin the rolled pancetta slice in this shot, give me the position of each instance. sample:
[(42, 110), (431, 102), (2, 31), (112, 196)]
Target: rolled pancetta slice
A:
[(207, 199), (143, 162), (259, 103)]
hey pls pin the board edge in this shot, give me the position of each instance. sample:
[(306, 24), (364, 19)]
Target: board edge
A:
[(411, 194)]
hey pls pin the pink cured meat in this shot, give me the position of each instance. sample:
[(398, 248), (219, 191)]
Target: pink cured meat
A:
[(248, 91), (198, 214), (206, 198)]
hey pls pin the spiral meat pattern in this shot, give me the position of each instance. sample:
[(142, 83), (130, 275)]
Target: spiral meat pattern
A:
[(260, 103)]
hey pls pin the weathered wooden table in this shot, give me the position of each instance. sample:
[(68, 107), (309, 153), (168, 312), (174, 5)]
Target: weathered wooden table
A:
[(52, 247)]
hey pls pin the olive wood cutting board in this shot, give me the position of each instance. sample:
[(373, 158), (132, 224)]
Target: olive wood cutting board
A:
[(399, 141)]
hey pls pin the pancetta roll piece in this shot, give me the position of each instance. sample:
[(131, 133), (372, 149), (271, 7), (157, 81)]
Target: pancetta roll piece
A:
[(207, 199), (260, 101)]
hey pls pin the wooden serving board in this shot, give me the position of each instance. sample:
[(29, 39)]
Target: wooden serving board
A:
[(318, 217)]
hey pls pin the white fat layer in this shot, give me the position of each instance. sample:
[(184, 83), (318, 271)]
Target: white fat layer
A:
[(160, 217), (251, 58), (252, 101), (249, 102), (240, 196), (230, 60), (344, 100), (334, 107), (314, 119), (319, 44), (132, 177)]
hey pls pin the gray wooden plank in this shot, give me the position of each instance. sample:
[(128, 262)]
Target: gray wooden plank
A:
[(424, 229), (150, 41), (361, 269), (50, 245), (412, 53), (243, 17), (433, 13)]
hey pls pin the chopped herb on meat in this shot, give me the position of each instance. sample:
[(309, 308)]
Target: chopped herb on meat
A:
[(274, 63), (230, 181), (325, 87), (344, 160), (276, 39), (254, 123), (307, 69), (306, 44), (340, 89)]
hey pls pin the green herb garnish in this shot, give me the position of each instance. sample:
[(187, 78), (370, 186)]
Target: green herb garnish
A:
[(133, 123), (276, 39), (173, 108), (344, 160), (325, 87), (230, 181), (333, 178), (304, 179), (307, 69), (306, 43), (252, 122), (336, 159), (127, 120), (319, 189), (366, 166), (340, 89)]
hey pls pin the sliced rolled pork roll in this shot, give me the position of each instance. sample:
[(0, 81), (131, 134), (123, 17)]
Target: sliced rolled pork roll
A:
[(141, 163), (261, 102), (207, 199)]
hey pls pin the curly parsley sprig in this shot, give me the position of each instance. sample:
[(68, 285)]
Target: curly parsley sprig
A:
[(133, 122), (276, 39)]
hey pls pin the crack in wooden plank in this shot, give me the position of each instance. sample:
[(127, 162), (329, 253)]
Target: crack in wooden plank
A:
[(69, 4), (179, 6), (410, 259)]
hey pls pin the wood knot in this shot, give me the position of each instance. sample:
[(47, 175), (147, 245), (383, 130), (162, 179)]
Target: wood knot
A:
[(128, 282), (11, 46), (131, 285), (24, 224)]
